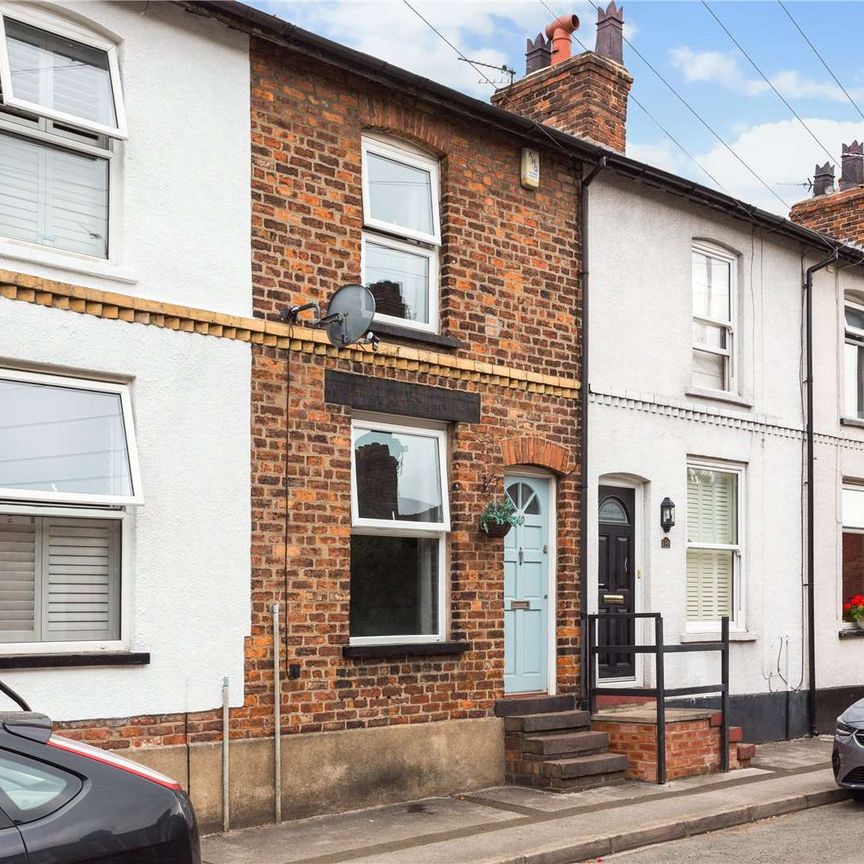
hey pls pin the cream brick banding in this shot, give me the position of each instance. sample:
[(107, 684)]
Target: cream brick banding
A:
[(139, 310)]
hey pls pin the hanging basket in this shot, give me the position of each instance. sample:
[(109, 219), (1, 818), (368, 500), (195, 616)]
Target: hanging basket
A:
[(497, 529)]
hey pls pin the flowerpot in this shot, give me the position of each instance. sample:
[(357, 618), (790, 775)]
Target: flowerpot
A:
[(859, 623), (498, 529)]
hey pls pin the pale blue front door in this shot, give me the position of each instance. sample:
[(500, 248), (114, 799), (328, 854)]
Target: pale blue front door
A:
[(526, 586)]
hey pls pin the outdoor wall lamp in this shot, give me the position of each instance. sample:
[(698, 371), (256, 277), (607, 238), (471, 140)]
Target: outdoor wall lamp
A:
[(667, 514)]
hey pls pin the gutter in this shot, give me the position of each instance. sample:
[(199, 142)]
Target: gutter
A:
[(584, 394), (811, 471)]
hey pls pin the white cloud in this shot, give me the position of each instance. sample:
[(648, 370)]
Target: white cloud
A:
[(715, 67), (781, 153)]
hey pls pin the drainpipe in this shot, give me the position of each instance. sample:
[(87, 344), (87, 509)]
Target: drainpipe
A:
[(583, 449), (811, 554)]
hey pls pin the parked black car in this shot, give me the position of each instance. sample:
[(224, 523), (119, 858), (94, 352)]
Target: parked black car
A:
[(64, 802)]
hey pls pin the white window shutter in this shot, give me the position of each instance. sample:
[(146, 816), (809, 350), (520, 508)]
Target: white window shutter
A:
[(19, 563), (709, 584), (80, 579)]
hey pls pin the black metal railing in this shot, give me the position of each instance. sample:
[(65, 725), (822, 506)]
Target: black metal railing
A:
[(660, 692)]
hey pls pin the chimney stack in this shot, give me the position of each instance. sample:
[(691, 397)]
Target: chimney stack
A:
[(823, 180), (837, 213), (852, 172), (584, 95)]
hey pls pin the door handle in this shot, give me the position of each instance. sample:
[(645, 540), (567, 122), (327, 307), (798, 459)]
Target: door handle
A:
[(521, 556)]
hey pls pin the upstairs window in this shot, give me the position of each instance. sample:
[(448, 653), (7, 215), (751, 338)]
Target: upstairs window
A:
[(61, 108), (401, 234), (853, 356), (400, 519), (713, 288)]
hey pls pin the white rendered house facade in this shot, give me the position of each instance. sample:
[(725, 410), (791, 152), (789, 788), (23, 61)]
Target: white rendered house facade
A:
[(697, 395), (124, 426)]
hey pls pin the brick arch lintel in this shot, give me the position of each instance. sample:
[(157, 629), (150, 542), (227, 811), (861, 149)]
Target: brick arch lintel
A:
[(387, 117), (533, 450)]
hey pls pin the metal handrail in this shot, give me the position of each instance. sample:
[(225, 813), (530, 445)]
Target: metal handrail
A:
[(660, 692)]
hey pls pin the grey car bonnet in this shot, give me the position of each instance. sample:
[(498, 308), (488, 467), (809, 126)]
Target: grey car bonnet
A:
[(854, 713)]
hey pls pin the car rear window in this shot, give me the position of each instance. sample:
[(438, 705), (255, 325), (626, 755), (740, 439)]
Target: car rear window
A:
[(30, 789)]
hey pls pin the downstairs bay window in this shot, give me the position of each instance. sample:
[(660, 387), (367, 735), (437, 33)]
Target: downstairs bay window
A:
[(713, 546), (400, 522), (68, 469)]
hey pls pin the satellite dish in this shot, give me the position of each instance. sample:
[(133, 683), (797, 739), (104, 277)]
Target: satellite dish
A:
[(349, 315), (348, 319)]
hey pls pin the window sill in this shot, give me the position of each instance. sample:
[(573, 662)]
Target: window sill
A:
[(852, 421), (414, 649), (70, 262), (410, 335), (65, 661), (719, 396), (740, 636), (850, 633)]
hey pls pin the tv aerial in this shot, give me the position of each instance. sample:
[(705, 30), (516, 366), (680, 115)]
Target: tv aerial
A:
[(348, 318)]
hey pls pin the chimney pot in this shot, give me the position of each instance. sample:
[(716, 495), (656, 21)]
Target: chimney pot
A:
[(559, 31), (823, 179), (610, 33), (852, 170), (538, 54)]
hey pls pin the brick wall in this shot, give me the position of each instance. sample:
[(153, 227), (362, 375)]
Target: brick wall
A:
[(510, 295), (585, 96), (838, 214)]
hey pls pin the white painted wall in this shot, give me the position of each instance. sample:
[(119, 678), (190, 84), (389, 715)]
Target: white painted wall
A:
[(182, 227), (188, 584), (644, 422)]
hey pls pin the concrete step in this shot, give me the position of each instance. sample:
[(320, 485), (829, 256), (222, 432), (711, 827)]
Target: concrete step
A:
[(565, 743), (521, 705), (547, 722), (584, 766)]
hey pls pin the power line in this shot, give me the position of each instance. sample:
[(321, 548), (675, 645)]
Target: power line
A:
[(656, 122), (821, 59), (697, 115), (478, 69), (768, 81)]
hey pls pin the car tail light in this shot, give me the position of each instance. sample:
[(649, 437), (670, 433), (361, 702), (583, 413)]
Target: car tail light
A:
[(106, 757)]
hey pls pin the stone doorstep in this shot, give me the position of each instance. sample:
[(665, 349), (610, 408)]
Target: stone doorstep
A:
[(583, 766), (556, 743)]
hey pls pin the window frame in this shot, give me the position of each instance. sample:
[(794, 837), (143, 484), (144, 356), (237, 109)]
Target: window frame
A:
[(853, 336), (737, 618), (412, 157), (391, 528), (848, 485), (123, 602), (91, 40), (121, 389), (431, 254), (730, 352)]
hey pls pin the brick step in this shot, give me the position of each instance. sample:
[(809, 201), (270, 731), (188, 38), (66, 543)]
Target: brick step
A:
[(547, 722), (521, 705), (566, 743), (584, 766)]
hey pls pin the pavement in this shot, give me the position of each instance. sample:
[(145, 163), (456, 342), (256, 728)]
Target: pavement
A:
[(515, 825)]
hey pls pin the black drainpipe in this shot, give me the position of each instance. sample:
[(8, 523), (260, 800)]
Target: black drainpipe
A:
[(583, 448), (811, 555)]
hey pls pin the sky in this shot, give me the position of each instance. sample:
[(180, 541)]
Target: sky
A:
[(685, 45)]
